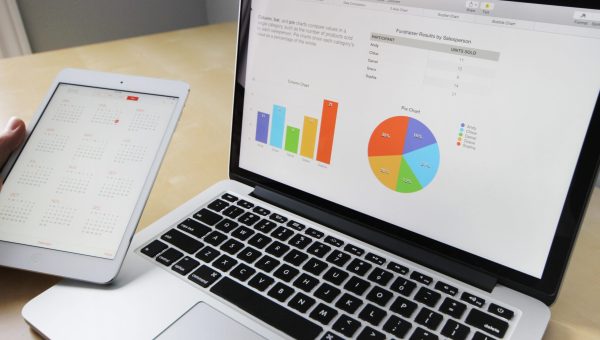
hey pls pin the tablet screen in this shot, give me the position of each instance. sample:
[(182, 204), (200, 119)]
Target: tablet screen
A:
[(78, 179)]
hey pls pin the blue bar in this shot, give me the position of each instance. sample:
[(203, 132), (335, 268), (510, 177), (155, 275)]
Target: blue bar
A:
[(277, 126)]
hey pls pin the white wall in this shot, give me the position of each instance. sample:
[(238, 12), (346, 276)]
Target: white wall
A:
[(222, 10)]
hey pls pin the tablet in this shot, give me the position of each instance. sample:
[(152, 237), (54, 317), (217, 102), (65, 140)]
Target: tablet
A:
[(75, 190)]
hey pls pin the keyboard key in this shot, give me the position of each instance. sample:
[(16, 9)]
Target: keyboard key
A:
[(215, 238), (331, 336), (301, 302), (380, 276), (286, 273), (348, 303), (315, 266), (306, 282), (397, 327), (218, 205), (277, 249), (208, 217), (169, 256), (481, 336), (224, 263), (260, 281), (346, 326), (398, 268), (455, 330), (422, 278), (204, 276), (282, 233), (267, 263), (281, 292), (194, 228), (403, 307), (153, 248), (296, 225), (242, 272), (335, 276), (207, 254), (403, 286), (379, 295), (323, 314), (229, 197), (338, 258), (314, 233), (370, 334), (334, 241), (233, 212), (446, 288), (487, 323), (185, 265), (249, 255), (356, 285), (261, 211), (429, 318), (453, 308), (295, 257), (259, 241), (182, 241), (265, 226), (249, 218), (375, 259), (327, 292), (226, 225), (278, 218), (266, 310), (352, 249), (300, 241), (421, 334), (242, 233), (318, 249), (427, 296), (231, 246), (245, 204), (372, 314), (359, 267), (500, 311), (472, 299)]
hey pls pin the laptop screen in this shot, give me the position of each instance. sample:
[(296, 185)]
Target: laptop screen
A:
[(461, 121)]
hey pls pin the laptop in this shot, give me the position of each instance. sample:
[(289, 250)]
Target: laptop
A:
[(399, 169)]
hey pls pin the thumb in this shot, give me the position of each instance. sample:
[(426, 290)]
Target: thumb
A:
[(11, 138)]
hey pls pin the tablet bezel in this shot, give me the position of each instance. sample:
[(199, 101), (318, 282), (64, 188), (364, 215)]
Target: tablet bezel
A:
[(86, 267)]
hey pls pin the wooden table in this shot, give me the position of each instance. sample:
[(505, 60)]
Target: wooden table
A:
[(198, 154)]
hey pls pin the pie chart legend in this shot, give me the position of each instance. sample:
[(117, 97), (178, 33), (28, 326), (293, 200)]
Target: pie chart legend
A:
[(403, 154)]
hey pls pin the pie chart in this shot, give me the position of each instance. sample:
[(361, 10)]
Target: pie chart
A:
[(403, 154)]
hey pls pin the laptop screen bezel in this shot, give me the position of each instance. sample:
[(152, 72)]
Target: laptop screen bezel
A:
[(581, 187)]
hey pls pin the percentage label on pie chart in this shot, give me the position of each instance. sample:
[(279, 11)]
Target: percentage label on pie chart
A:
[(403, 154)]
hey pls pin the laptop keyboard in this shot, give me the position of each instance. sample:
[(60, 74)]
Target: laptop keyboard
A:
[(311, 285)]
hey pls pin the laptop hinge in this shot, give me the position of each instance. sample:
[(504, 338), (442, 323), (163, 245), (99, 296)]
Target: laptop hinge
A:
[(397, 246)]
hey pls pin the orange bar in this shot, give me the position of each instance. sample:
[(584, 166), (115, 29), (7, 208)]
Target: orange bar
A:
[(327, 131)]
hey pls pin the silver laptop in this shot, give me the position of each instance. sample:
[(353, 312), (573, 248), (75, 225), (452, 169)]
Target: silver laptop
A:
[(399, 169)]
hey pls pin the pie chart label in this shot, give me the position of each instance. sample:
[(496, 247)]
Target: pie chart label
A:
[(403, 154)]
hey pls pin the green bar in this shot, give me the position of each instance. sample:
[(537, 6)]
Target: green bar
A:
[(292, 136)]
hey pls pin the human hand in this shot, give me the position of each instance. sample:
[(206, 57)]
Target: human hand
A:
[(10, 139)]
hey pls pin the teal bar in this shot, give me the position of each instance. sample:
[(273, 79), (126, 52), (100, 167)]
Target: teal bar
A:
[(277, 126)]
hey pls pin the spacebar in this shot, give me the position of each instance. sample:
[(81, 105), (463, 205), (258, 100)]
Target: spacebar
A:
[(266, 310)]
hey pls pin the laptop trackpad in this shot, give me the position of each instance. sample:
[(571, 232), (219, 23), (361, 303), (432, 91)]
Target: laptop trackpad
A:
[(204, 322)]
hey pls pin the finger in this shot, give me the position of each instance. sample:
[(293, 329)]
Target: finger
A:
[(11, 138)]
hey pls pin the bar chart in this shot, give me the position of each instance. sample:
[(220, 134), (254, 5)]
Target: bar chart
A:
[(314, 140)]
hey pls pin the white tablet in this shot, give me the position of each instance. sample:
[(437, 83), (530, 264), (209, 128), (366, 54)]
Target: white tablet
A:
[(73, 194)]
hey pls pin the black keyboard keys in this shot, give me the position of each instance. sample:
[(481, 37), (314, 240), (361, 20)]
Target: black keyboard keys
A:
[(446, 288), (306, 282), (215, 238), (398, 268), (295, 257), (232, 246), (333, 241), (453, 308), (379, 296), (169, 256), (346, 326), (422, 278), (455, 330), (300, 241), (153, 248), (226, 225), (261, 211), (296, 225), (208, 217), (472, 299), (348, 303), (207, 254), (429, 318), (352, 249), (335, 276), (218, 205), (278, 218), (224, 263), (370, 334), (403, 286), (281, 292), (404, 307), (260, 281), (338, 258), (185, 265), (327, 292), (181, 241), (242, 272), (500, 311), (427, 296), (372, 314), (242, 233), (249, 218), (314, 233), (277, 249), (286, 273), (268, 311), (422, 334), (380, 276), (204, 276), (301, 302), (397, 327), (323, 314), (315, 266), (233, 211), (267, 263), (245, 204), (282, 233), (318, 249), (375, 259), (259, 241), (194, 228), (359, 267), (229, 197), (356, 285), (249, 255), (487, 323), (265, 226)]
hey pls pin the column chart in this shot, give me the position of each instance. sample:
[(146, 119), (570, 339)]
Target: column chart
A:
[(313, 140)]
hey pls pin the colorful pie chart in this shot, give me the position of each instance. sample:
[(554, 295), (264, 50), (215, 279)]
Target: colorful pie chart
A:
[(403, 154)]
